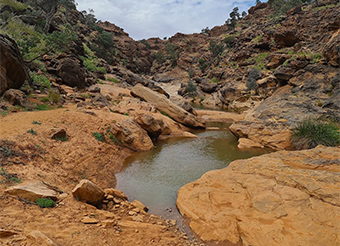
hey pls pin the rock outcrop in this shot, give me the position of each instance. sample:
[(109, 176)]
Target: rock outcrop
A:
[(12, 69), (166, 106), (282, 198)]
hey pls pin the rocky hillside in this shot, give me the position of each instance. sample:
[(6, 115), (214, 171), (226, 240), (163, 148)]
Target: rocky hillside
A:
[(286, 63)]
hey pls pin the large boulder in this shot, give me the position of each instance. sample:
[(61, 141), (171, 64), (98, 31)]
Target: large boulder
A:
[(279, 199), (166, 106), (71, 72), (33, 190), (149, 124), (132, 135), (13, 71), (88, 192), (17, 97)]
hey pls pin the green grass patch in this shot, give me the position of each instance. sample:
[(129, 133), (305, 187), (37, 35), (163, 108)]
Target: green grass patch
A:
[(257, 39), (311, 132), (214, 80), (114, 80), (42, 107), (324, 7)]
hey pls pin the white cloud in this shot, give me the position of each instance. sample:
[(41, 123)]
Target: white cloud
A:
[(162, 18)]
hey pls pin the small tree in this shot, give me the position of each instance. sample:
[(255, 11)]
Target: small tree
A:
[(205, 30), (234, 17), (191, 89), (253, 75)]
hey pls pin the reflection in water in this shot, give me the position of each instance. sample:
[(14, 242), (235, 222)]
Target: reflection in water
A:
[(154, 177)]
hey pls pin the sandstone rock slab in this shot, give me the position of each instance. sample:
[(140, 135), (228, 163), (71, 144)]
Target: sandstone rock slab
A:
[(283, 198), (33, 190), (166, 106)]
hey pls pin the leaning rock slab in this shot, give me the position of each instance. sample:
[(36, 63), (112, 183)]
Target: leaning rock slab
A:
[(88, 192), (33, 190), (282, 198), (166, 106)]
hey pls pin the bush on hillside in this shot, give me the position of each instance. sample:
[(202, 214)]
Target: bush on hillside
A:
[(191, 89), (253, 75), (215, 48), (311, 132)]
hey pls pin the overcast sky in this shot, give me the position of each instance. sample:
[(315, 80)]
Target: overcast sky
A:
[(144, 19)]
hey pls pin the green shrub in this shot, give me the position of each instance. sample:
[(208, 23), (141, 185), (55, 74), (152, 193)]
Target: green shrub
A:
[(311, 132), (215, 48), (45, 202), (91, 61), (40, 80), (191, 89), (32, 131), (99, 136), (143, 41), (202, 64), (159, 57), (228, 40), (17, 6)]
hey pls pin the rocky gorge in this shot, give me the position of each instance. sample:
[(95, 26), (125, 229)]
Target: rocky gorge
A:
[(271, 71)]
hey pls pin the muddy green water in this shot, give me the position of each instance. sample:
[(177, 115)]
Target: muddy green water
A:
[(154, 177)]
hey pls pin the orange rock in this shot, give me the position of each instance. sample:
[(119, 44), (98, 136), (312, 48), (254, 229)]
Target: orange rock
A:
[(282, 198)]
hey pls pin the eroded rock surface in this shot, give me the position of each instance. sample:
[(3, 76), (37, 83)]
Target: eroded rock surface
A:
[(283, 198)]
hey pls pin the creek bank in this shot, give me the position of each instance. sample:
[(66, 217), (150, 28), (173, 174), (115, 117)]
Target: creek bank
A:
[(29, 152), (282, 198)]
